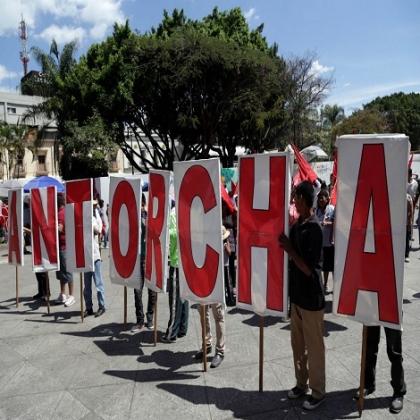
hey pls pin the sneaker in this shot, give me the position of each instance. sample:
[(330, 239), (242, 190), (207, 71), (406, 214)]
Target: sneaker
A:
[(70, 301), (311, 403), (88, 312), (407, 259), (166, 339), (199, 354), (137, 327), (216, 360), (285, 319), (366, 392), (296, 392), (61, 298), (100, 312), (150, 325), (397, 404)]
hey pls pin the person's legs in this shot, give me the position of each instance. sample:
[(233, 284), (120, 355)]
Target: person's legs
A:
[(326, 274), (87, 292), (219, 319), (394, 351), (100, 293), (232, 269), (313, 332), (174, 304), (183, 324), (138, 296), (228, 287), (207, 321), (373, 335), (298, 348), (151, 298)]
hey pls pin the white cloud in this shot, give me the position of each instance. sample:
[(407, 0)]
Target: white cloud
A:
[(6, 74), (318, 68), (346, 84), (248, 15), (364, 95), (62, 34), (95, 16)]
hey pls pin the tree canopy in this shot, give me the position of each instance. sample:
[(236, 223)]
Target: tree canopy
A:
[(402, 113)]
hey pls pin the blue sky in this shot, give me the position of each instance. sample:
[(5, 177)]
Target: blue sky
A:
[(372, 46)]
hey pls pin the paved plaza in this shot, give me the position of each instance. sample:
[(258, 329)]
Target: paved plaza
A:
[(53, 366)]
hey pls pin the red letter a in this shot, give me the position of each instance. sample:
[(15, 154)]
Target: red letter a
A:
[(373, 272)]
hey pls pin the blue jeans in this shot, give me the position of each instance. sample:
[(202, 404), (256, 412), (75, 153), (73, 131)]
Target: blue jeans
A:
[(97, 277), (178, 310)]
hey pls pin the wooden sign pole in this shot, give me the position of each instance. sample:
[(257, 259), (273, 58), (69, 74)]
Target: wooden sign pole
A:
[(204, 333), (125, 308), (47, 278), (362, 371), (81, 298), (156, 317), (17, 288), (261, 374)]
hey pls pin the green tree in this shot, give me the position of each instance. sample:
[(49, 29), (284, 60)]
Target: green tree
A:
[(13, 143), (402, 112), (55, 66), (366, 121), (331, 115), (183, 88), (306, 89)]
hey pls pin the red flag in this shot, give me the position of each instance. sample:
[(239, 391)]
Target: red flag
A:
[(334, 171), (305, 170), (333, 198), (410, 162), (226, 198), (233, 187)]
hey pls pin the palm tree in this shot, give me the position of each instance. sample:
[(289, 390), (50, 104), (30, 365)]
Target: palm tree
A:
[(331, 115), (55, 67), (13, 141)]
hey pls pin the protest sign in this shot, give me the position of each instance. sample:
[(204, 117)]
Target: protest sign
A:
[(264, 191), (15, 241), (79, 226), (44, 229), (370, 228), (157, 231), (199, 221), (124, 212)]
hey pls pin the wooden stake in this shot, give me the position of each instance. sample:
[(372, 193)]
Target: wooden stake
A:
[(362, 371), (261, 354), (81, 299), (204, 333), (156, 317), (17, 288), (125, 308), (47, 278)]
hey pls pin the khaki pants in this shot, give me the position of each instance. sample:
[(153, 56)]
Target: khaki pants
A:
[(307, 337), (219, 318)]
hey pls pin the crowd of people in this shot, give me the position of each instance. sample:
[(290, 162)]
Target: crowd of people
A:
[(310, 247)]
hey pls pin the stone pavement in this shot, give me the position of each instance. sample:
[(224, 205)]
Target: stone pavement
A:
[(56, 367)]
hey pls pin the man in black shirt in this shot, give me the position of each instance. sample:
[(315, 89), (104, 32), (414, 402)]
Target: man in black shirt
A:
[(307, 299)]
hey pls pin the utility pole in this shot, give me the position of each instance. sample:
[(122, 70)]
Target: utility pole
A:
[(24, 56)]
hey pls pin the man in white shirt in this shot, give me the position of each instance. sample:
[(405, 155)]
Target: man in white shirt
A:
[(97, 274)]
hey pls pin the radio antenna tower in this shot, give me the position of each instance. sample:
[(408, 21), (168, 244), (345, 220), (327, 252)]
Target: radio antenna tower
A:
[(24, 56)]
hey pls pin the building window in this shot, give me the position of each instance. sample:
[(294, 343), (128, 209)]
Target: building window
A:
[(42, 167), (11, 110)]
